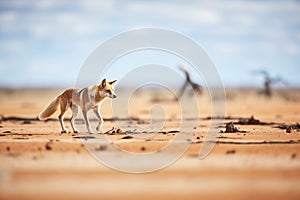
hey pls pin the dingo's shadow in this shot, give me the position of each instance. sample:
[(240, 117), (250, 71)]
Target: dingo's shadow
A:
[(85, 137)]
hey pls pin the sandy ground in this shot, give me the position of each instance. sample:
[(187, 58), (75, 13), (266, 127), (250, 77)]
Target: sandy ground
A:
[(262, 161)]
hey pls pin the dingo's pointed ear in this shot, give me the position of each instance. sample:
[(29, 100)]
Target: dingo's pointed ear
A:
[(112, 82), (103, 83)]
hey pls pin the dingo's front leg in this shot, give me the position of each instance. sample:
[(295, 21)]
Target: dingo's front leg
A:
[(98, 115), (87, 123)]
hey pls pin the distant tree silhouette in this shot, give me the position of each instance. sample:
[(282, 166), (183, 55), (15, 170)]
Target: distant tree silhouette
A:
[(196, 87), (268, 82)]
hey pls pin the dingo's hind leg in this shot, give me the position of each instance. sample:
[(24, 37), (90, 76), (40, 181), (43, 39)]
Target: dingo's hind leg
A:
[(75, 112), (63, 109)]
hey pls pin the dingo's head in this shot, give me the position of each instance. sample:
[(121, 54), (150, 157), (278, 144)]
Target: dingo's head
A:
[(107, 88)]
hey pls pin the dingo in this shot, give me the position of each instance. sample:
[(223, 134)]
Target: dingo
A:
[(86, 99)]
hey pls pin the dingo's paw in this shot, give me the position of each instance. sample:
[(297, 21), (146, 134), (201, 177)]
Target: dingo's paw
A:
[(98, 128)]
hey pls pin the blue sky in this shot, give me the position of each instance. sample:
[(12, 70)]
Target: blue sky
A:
[(44, 43)]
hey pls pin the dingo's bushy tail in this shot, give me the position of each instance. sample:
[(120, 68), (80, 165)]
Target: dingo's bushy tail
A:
[(50, 110)]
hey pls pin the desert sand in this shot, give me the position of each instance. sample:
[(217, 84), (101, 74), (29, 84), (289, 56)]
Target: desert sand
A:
[(260, 161)]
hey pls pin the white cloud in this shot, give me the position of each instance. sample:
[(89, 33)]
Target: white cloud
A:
[(15, 4), (246, 20), (40, 30), (66, 18), (8, 17), (201, 16), (178, 12), (293, 49), (7, 21), (78, 25), (65, 24), (12, 46), (100, 7), (45, 4), (2, 67), (228, 48), (83, 29)]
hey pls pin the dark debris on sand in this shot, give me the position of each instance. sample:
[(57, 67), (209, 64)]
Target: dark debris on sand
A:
[(230, 128), (143, 148), (101, 148), (289, 128), (127, 137), (48, 146), (294, 155), (84, 137), (252, 121), (113, 131), (241, 120), (167, 132), (26, 121), (14, 118), (6, 131), (230, 151)]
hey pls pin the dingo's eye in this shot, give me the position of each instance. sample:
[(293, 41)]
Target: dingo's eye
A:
[(108, 91)]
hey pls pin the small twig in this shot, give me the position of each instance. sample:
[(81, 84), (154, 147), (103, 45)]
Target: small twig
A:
[(113, 128)]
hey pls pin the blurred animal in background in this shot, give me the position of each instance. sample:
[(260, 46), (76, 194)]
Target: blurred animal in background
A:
[(268, 82), (196, 87)]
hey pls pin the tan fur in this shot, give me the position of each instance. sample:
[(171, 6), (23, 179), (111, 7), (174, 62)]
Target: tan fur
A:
[(86, 99), (50, 110)]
